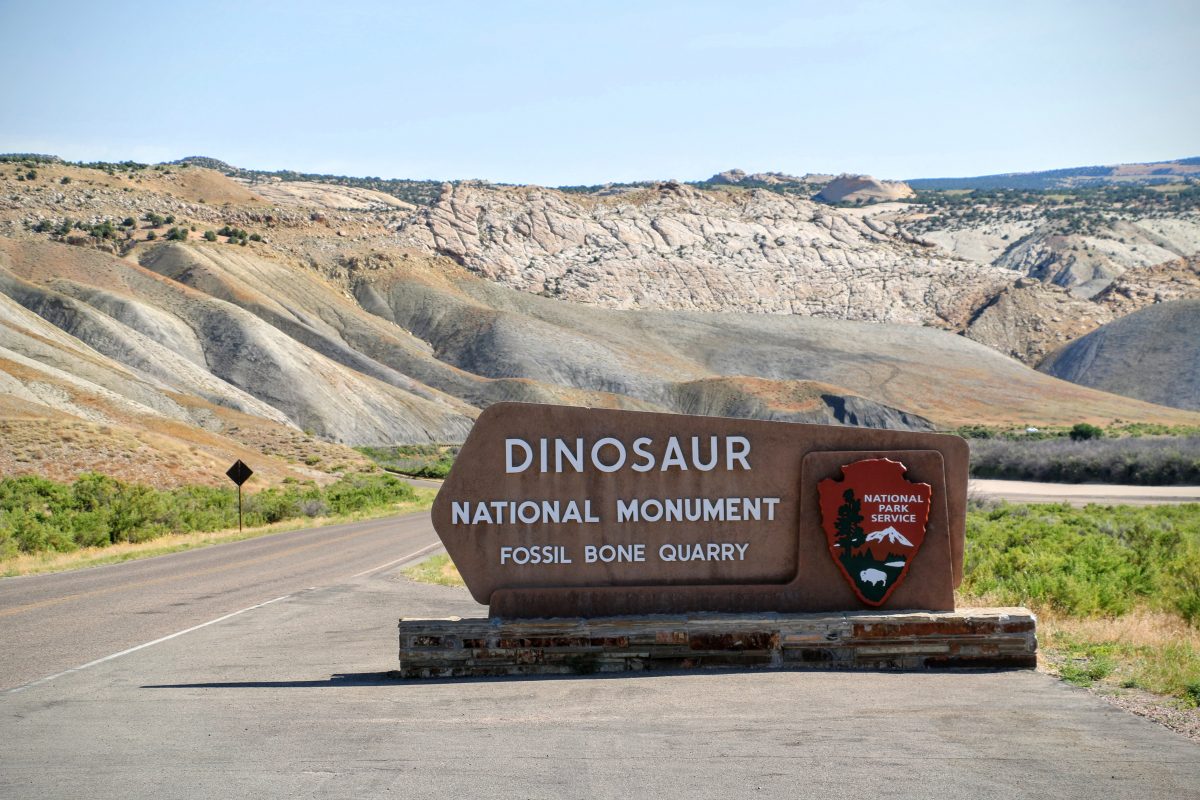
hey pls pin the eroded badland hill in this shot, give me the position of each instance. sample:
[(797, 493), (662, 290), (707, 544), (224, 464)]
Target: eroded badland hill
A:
[(157, 322)]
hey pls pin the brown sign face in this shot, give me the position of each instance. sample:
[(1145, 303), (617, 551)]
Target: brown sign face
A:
[(554, 510), (875, 523)]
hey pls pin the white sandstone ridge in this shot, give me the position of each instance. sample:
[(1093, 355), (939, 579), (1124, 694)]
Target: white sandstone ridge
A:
[(863, 189), (674, 247), (734, 177)]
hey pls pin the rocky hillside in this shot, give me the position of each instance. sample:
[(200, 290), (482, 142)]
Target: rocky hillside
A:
[(739, 177), (1031, 319), (863, 189), (1081, 243), (1152, 354), (1084, 259), (675, 247), (1022, 274), (160, 322), (778, 366)]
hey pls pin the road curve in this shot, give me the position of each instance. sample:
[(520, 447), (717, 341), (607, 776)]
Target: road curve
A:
[(51, 623), (1081, 494)]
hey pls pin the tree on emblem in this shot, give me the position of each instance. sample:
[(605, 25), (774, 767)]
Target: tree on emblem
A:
[(851, 538), (849, 524)]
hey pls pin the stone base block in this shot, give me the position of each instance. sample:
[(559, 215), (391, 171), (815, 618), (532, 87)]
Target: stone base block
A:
[(990, 638)]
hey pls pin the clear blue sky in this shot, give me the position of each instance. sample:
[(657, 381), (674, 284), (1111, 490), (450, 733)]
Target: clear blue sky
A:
[(559, 92)]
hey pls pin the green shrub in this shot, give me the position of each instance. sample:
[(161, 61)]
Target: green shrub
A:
[(439, 469), (210, 236), (33, 494), (417, 460), (202, 508), (1151, 461), (32, 509), (101, 230), (91, 529), (1185, 582), (360, 492), (1083, 431), (1088, 670), (38, 515), (8, 542), (136, 514), (1091, 561), (94, 492), (33, 535), (273, 505)]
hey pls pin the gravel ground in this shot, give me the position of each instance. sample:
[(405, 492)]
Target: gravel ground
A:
[(1163, 710)]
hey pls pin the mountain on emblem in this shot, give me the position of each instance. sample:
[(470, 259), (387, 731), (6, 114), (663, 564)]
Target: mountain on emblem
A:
[(874, 493), (890, 535)]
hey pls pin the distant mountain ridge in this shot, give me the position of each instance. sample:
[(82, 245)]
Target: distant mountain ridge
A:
[(1072, 177), (417, 192), (425, 191)]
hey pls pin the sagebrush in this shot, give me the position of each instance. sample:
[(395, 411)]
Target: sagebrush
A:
[(38, 515), (1094, 561), (1149, 461)]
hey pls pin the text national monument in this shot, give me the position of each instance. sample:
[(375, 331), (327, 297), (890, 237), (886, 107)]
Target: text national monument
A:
[(613, 540)]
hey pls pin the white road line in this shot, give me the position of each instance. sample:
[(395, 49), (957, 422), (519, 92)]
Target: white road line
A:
[(144, 646), (418, 554), (409, 557)]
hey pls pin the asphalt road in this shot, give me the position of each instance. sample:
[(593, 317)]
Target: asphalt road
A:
[(51, 623), (1081, 494), (292, 699), (259, 669)]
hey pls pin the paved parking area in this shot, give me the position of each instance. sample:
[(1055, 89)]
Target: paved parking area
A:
[(292, 700)]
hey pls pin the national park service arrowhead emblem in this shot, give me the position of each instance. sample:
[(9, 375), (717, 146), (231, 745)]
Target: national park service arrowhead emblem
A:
[(874, 520)]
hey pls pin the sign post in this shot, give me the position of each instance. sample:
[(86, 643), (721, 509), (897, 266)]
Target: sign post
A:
[(239, 473)]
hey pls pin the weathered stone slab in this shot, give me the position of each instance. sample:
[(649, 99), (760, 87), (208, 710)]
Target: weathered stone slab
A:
[(992, 638)]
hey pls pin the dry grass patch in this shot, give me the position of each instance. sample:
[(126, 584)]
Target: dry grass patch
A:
[(439, 570), (1146, 650)]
